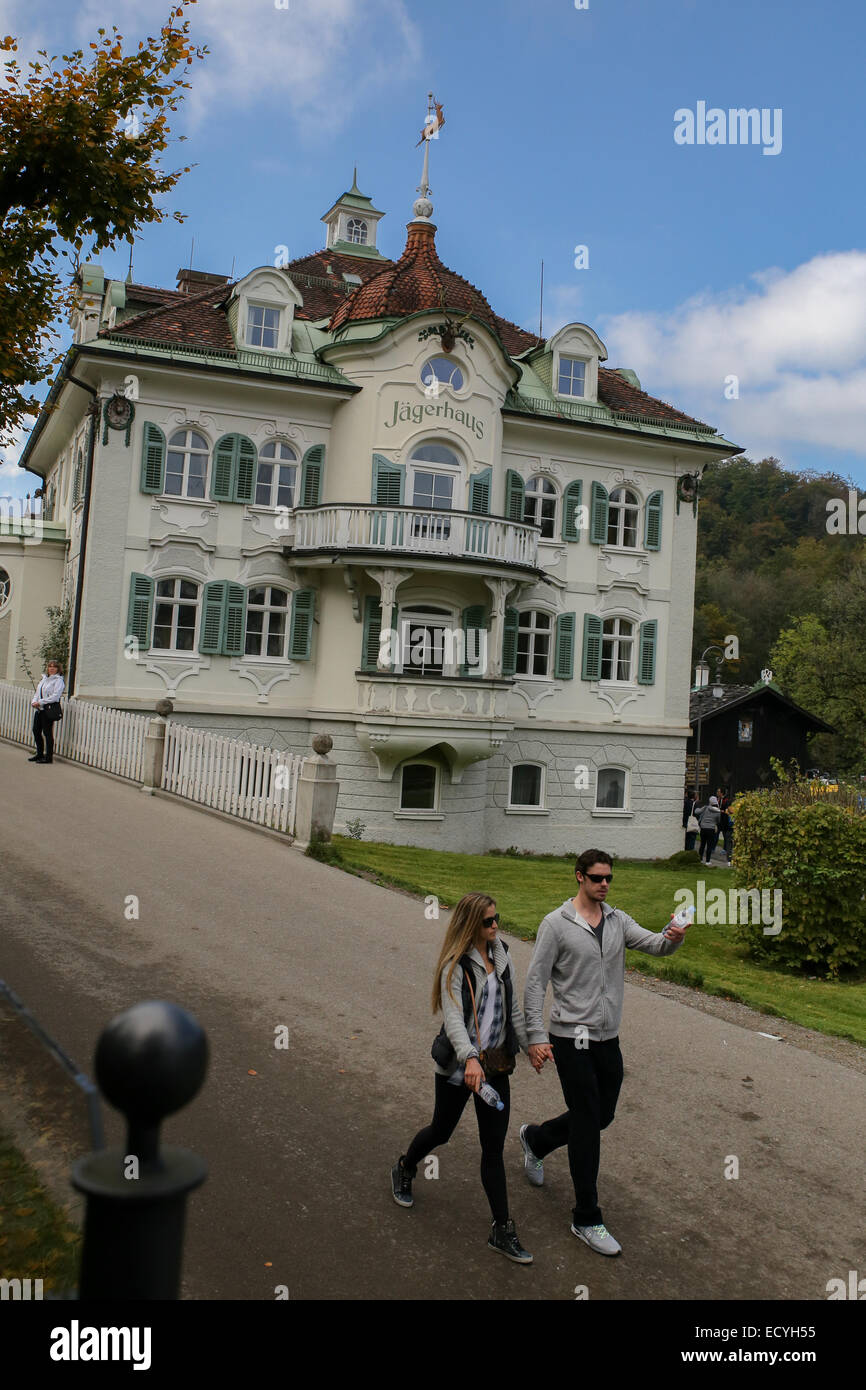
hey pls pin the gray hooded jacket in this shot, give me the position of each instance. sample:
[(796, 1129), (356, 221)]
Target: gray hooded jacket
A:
[(452, 1004), (588, 981)]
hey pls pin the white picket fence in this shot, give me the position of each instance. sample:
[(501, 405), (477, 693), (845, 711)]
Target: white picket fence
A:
[(242, 779), (109, 739)]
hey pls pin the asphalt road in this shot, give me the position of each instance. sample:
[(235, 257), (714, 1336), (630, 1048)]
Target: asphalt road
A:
[(251, 936)]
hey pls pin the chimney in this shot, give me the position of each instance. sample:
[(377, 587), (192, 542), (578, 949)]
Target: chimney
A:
[(192, 281)]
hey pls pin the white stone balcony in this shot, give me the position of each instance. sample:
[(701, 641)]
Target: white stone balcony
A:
[(402, 716), (413, 531)]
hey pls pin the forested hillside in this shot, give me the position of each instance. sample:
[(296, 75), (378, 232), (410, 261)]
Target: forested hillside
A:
[(770, 572)]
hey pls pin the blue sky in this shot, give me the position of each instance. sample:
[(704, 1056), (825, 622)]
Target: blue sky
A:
[(707, 261)]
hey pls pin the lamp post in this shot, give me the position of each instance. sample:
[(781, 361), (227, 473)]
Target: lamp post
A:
[(702, 674)]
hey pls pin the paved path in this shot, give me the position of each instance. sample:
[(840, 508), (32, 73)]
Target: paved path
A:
[(250, 935)]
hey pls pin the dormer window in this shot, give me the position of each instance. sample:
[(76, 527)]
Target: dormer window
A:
[(572, 377), (263, 326), (356, 231)]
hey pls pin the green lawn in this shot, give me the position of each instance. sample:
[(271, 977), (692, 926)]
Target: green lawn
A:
[(710, 959), (36, 1240)]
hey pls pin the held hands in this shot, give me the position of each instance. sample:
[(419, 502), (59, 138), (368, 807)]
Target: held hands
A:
[(473, 1075), (539, 1053)]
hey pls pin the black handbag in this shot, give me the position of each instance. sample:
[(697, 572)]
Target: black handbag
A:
[(53, 712)]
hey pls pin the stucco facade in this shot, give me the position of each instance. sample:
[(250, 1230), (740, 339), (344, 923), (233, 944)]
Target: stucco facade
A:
[(360, 502)]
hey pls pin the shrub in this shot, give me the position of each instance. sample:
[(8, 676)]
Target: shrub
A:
[(815, 853), (683, 859), (355, 828)]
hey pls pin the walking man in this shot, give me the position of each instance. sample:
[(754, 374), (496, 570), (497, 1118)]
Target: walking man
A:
[(580, 950)]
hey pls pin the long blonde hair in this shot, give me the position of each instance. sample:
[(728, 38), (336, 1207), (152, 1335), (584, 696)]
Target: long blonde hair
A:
[(460, 937)]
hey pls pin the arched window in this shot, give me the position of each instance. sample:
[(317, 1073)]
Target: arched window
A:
[(617, 649), (623, 511), (441, 371), (610, 789), (357, 231), (276, 475), (267, 625), (175, 615), (539, 506), (5, 588), (186, 465), (534, 644), (435, 469), (527, 785), (419, 787)]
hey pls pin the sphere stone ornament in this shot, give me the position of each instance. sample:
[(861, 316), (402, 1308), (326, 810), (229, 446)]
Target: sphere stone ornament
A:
[(150, 1061), (422, 207), (322, 744), (164, 708)]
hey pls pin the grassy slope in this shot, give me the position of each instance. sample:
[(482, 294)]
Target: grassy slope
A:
[(526, 889), (36, 1239)]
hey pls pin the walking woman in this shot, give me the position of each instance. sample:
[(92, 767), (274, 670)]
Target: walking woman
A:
[(709, 817), (46, 711), (475, 987)]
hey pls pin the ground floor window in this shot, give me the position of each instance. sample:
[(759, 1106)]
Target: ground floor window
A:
[(267, 610), (419, 787), (526, 785), (610, 789)]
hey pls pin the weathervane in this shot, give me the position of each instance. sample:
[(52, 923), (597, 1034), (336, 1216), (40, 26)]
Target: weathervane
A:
[(434, 122)]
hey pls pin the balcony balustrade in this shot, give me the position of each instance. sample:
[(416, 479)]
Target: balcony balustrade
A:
[(416, 531)]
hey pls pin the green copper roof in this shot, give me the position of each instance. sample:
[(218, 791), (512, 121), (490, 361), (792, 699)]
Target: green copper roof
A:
[(352, 248)]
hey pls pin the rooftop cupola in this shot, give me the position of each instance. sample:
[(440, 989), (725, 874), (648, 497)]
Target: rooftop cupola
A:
[(352, 223)]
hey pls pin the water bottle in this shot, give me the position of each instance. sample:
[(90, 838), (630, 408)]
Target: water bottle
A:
[(490, 1096), (683, 918)]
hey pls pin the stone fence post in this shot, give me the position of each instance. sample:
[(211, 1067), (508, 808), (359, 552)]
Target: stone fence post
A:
[(154, 747), (318, 790)]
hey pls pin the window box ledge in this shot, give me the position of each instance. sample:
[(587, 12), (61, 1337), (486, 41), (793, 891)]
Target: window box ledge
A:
[(417, 815), (526, 811), (614, 811)]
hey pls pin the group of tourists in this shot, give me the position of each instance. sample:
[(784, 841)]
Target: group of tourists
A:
[(711, 821), (579, 951)]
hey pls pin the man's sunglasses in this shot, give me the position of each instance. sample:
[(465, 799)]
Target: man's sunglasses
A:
[(491, 921), (600, 878)]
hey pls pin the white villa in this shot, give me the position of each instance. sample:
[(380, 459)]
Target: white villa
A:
[(343, 495)]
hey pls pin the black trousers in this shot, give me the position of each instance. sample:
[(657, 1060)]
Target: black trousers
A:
[(709, 839), (591, 1078), (43, 727), (492, 1128)]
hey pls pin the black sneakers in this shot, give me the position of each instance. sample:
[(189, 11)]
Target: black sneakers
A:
[(401, 1184), (504, 1239)]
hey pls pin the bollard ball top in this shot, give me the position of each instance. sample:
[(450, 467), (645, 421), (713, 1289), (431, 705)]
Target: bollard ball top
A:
[(322, 744), (151, 1060), (164, 708)]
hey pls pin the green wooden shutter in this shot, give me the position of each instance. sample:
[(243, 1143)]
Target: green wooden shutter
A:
[(311, 476), (389, 480), (571, 502), (479, 492), (563, 661), (76, 480), (211, 631), (474, 620), (301, 636), (234, 621), (653, 522), (152, 459), (245, 475), (592, 631), (509, 642), (514, 495), (646, 672), (225, 455), (598, 515), (372, 632), (140, 607)]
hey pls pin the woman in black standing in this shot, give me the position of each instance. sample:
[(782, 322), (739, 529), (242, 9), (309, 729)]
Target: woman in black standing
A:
[(489, 1021), (46, 711)]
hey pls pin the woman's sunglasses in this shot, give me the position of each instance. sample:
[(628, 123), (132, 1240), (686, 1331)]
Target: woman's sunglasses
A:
[(491, 921)]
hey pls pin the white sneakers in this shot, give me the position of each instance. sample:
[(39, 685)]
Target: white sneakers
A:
[(533, 1167), (598, 1238)]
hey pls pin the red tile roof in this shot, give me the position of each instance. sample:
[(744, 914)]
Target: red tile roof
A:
[(417, 281)]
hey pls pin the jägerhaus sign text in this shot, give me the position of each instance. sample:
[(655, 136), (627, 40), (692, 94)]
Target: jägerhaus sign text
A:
[(415, 411)]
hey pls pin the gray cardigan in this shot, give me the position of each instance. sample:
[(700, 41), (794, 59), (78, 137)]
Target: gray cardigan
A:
[(588, 982), (452, 1004)]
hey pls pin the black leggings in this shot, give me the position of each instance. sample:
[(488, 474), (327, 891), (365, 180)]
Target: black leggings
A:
[(43, 727), (492, 1128)]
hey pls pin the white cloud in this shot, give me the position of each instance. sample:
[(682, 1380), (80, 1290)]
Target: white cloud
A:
[(795, 340), (316, 61)]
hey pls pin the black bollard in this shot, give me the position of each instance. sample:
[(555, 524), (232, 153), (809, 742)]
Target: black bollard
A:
[(150, 1061)]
